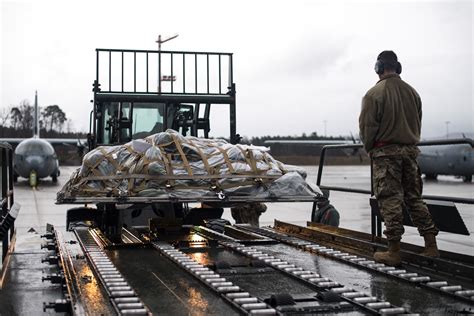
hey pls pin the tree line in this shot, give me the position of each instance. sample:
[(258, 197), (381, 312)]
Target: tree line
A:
[(18, 121), (260, 141)]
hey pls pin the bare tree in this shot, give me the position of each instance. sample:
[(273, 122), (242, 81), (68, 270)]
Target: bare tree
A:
[(5, 116), (16, 117), (54, 117)]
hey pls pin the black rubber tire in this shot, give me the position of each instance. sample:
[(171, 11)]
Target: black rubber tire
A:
[(281, 299), (217, 225), (431, 176), (467, 179), (54, 178), (329, 297)]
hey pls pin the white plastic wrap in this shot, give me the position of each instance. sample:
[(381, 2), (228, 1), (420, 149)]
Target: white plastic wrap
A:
[(169, 165)]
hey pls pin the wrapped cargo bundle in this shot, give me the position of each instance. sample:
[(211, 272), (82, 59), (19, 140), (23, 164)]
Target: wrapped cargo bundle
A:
[(170, 166)]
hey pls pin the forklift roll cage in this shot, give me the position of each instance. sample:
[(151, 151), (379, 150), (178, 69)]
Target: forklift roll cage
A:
[(124, 85)]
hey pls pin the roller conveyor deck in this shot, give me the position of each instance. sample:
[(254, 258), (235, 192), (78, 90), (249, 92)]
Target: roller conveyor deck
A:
[(241, 270)]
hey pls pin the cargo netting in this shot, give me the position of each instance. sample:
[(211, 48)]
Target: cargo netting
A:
[(169, 166)]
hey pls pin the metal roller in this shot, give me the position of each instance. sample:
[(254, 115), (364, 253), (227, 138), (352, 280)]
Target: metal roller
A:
[(134, 312), (451, 288), (268, 311), (317, 280), (221, 284), (246, 300), (122, 293), (328, 284), (238, 295), (126, 300), (392, 311), (225, 289), (378, 305), (213, 280), (365, 299), (251, 306), (353, 294), (129, 305)]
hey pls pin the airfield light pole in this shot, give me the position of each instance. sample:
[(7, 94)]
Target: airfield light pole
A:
[(161, 41), (447, 128)]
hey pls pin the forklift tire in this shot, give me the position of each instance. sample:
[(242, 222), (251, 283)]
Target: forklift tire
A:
[(217, 225), (281, 299)]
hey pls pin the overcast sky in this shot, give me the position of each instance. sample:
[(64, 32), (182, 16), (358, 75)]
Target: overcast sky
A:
[(297, 63)]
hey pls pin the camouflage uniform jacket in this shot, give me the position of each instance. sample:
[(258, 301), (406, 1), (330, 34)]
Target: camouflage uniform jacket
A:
[(391, 114)]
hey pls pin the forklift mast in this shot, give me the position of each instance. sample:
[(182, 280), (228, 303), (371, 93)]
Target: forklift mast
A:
[(138, 93)]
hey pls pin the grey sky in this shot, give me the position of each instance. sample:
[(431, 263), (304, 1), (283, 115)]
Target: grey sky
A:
[(297, 63)]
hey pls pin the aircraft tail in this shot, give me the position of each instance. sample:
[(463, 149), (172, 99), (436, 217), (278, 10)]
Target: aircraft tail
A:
[(35, 118)]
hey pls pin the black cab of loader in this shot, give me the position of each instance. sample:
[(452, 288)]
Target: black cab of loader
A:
[(138, 93)]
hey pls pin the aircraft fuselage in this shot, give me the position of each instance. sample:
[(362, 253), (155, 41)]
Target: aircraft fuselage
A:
[(454, 160), (38, 155)]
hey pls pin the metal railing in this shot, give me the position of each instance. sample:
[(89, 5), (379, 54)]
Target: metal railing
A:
[(163, 66), (6, 176), (376, 222), (371, 191)]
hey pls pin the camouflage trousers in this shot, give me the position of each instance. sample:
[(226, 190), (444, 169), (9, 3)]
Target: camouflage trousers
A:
[(248, 213), (397, 180)]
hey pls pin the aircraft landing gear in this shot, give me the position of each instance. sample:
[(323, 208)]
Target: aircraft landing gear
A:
[(431, 176), (55, 176)]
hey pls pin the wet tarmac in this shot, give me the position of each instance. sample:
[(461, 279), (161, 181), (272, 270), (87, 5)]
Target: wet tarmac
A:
[(38, 206)]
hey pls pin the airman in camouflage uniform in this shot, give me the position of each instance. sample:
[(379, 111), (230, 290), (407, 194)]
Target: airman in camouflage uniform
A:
[(248, 213), (390, 125), (397, 180)]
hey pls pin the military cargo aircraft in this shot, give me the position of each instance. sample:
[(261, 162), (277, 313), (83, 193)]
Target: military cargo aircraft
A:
[(454, 160), (35, 158)]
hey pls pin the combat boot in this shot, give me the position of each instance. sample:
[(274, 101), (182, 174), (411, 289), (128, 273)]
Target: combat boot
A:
[(390, 257), (431, 249)]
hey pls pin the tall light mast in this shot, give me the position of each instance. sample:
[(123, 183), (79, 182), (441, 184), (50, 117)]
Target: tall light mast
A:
[(161, 41)]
